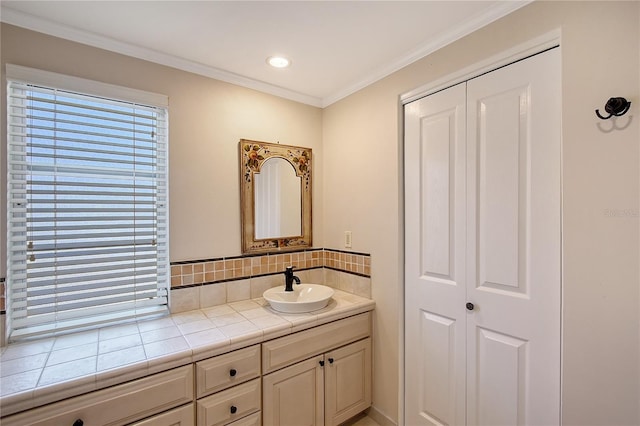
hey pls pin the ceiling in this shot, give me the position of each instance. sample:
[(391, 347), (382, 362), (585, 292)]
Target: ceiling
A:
[(336, 47)]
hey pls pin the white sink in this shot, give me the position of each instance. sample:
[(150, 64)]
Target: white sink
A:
[(303, 298)]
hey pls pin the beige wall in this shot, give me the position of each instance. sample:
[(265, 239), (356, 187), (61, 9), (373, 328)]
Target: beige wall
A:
[(357, 141), (207, 119), (600, 171)]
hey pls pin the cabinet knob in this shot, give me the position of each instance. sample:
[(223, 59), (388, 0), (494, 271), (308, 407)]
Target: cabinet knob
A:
[(330, 360), (233, 372), (233, 409), (470, 306), (78, 422), (321, 363)]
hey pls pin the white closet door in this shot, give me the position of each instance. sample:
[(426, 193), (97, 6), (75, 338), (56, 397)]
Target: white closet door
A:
[(514, 237), (434, 258), (482, 227)]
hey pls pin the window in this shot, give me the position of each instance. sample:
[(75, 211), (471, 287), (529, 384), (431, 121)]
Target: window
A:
[(87, 203)]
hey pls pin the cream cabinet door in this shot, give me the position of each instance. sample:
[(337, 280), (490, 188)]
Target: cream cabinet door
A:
[(294, 396), (347, 380)]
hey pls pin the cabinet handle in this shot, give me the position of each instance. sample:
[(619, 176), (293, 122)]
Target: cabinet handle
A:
[(233, 409), (321, 363), (78, 422), (330, 360), (232, 372), (470, 306)]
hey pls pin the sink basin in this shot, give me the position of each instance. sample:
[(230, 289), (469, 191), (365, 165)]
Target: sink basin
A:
[(303, 298)]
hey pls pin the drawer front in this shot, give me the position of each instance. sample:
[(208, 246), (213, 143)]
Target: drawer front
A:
[(224, 371), (183, 416), (279, 353), (117, 405), (229, 405), (254, 419)]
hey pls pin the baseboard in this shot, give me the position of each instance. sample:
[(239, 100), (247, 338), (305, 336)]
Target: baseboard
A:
[(379, 417)]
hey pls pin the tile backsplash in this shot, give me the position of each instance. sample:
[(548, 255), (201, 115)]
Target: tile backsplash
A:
[(210, 271), (204, 283)]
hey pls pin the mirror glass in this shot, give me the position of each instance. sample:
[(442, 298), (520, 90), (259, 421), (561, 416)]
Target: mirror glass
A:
[(277, 200), (275, 196)]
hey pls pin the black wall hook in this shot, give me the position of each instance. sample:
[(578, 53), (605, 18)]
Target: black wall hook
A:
[(615, 106)]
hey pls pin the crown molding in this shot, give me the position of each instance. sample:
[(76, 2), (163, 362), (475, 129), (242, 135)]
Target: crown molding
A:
[(456, 33), (20, 19), (30, 22)]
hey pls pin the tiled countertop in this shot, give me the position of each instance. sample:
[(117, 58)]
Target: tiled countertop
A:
[(48, 370)]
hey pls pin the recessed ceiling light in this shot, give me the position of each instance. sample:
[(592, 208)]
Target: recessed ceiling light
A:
[(278, 61)]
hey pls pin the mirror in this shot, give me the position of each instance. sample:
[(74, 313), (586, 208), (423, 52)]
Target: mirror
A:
[(275, 196), (277, 200)]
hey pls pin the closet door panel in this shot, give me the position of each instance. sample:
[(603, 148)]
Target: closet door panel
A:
[(435, 248), (502, 187), (501, 367), (514, 243)]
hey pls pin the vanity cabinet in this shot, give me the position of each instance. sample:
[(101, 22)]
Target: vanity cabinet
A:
[(320, 376)]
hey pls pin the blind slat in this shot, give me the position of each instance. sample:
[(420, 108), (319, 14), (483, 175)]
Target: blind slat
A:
[(92, 252), (105, 262), (60, 135), (63, 228), (135, 200), (138, 127), (43, 295), (138, 152), (125, 244), (72, 305), (62, 184), (69, 276)]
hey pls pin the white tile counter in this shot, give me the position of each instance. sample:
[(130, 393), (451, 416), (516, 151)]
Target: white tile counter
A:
[(40, 372)]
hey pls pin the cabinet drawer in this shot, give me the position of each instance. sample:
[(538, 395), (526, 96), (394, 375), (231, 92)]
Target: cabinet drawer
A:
[(279, 353), (182, 416), (229, 405), (117, 405), (221, 372), (254, 419)]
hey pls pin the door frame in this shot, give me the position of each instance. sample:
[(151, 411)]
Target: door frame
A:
[(519, 52)]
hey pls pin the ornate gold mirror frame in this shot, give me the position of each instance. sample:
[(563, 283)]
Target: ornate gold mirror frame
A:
[(253, 154)]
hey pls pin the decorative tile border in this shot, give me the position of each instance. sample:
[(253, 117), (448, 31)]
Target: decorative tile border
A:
[(345, 261), (209, 271)]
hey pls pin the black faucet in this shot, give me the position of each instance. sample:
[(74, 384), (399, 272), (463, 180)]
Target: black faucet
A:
[(289, 278)]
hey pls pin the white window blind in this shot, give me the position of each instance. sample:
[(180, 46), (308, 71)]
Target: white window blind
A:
[(87, 210)]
